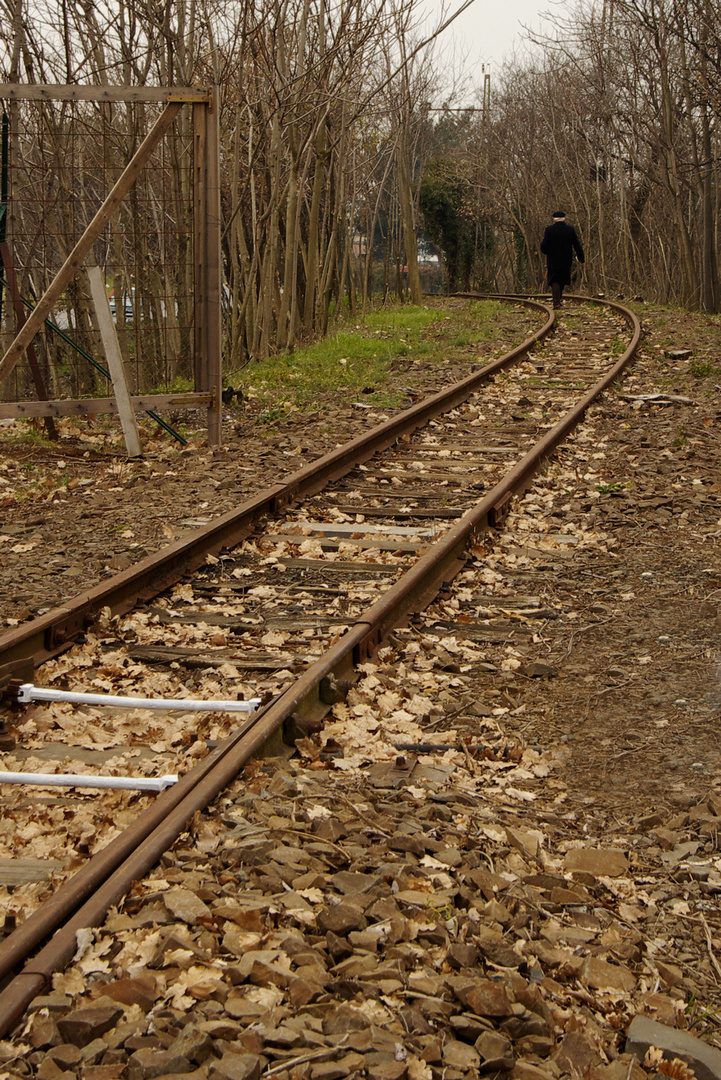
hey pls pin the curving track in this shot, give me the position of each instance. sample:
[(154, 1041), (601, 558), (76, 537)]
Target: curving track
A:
[(295, 589)]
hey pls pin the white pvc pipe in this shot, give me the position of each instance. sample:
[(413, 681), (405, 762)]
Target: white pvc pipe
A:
[(129, 783), (28, 693)]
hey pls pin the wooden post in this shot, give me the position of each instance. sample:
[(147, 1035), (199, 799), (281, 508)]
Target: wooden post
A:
[(214, 273), (73, 262), (206, 206), (14, 91), (200, 370), (111, 347)]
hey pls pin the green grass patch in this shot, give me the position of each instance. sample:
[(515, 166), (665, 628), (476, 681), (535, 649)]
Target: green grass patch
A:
[(29, 433), (704, 369), (401, 318), (355, 363), (346, 362)]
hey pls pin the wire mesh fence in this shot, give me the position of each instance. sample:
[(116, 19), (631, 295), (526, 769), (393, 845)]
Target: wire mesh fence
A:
[(61, 158)]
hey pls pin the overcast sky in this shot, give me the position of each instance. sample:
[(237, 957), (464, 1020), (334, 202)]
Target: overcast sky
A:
[(488, 31)]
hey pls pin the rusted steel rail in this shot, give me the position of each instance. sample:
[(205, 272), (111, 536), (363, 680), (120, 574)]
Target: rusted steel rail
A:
[(40, 639), (84, 900)]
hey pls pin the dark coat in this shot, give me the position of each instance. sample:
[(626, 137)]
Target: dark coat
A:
[(558, 245)]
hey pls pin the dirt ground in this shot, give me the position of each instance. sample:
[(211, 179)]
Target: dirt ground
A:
[(633, 642), (636, 694)]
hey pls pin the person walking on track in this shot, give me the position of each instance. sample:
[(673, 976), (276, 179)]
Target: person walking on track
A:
[(560, 240)]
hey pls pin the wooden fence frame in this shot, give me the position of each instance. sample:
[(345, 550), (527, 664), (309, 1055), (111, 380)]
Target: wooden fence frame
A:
[(206, 247)]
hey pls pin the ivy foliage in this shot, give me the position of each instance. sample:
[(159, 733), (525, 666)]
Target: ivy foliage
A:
[(445, 198)]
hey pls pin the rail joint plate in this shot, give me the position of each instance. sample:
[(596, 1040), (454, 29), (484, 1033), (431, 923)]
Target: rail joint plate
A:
[(498, 513), (63, 633)]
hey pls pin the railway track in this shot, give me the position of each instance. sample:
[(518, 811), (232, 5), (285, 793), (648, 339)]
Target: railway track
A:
[(290, 596)]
